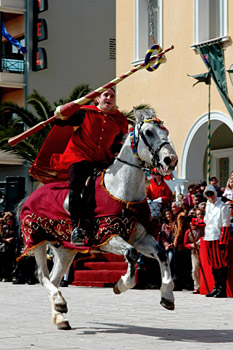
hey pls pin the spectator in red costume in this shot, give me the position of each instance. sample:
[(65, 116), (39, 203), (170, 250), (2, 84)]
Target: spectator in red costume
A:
[(158, 190), (200, 213), (189, 200), (91, 145)]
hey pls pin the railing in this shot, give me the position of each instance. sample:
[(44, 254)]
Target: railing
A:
[(12, 65)]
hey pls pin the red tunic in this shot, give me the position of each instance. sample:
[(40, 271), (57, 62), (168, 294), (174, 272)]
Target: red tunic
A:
[(93, 139), (159, 190), (66, 145)]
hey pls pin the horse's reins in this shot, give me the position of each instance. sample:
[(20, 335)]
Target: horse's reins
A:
[(134, 146), (134, 165)]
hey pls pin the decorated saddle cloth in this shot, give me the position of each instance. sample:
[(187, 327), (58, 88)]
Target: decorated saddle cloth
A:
[(43, 217)]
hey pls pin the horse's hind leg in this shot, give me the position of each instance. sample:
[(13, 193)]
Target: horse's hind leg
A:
[(58, 303), (117, 245), (150, 248)]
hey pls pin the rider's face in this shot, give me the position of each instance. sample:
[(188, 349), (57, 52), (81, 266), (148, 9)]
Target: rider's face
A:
[(106, 100)]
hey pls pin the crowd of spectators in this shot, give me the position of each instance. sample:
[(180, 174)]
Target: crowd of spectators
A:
[(182, 225), (11, 244)]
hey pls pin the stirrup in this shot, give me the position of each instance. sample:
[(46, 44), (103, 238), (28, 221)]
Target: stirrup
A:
[(77, 236)]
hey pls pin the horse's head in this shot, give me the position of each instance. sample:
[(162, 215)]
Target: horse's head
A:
[(151, 142)]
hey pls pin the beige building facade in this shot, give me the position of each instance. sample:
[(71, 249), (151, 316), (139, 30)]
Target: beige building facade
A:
[(169, 89)]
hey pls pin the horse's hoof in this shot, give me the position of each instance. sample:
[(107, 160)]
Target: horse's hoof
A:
[(169, 305), (64, 325), (116, 289), (61, 308)]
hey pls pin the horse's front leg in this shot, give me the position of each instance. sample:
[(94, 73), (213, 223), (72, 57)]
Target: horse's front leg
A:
[(58, 303), (119, 246), (148, 246)]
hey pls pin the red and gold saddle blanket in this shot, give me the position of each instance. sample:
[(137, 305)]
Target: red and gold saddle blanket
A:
[(43, 217)]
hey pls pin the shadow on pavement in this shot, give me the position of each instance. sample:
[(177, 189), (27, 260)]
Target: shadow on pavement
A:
[(197, 335)]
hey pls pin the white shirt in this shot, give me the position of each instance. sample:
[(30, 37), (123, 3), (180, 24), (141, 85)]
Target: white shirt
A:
[(217, 215), (228, 193)]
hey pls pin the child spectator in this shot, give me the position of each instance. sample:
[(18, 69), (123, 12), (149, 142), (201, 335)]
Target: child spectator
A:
[(192, 241)]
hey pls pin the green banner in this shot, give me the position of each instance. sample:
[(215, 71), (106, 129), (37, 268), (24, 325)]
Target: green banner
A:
[(212, 56)]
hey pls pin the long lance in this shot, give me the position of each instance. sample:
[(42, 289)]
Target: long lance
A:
[(71, 107), (198, 256)]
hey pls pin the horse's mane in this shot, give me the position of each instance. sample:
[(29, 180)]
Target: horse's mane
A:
[(145, 113)]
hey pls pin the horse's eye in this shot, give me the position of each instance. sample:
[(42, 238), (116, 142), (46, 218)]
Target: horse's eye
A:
[(149, 133)]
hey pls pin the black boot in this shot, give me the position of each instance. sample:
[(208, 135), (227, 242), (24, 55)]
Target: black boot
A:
[(75, 208), (216, 285), (222, 275)]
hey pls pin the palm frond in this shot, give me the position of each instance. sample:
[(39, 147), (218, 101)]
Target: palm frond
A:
[(24, 115), (79, 91), (40, 104), (25, 149), (60, 102)]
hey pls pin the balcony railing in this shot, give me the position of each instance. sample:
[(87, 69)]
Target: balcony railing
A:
[(12, 65)]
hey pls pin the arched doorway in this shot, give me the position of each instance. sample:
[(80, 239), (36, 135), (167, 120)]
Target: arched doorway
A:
[(193, 161)]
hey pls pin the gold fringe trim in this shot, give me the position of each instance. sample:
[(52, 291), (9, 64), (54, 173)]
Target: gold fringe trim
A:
[(86, 251)]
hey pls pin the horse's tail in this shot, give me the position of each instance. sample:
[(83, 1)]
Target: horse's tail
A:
[(19, 208)]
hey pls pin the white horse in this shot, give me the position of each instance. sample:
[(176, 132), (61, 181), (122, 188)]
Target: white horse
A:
[(147, 146)]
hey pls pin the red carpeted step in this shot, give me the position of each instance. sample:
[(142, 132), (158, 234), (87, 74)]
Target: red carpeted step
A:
[(102, 265), (108, 257), (104, 276), (102, 271), (92, 284)]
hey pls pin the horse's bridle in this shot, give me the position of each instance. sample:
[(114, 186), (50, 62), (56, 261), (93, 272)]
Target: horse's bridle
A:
[(134, 146), (153, 152)]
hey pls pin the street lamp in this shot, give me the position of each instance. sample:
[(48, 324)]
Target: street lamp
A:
[(230, 72)]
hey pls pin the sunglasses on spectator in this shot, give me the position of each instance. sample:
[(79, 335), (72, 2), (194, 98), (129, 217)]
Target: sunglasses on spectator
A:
[(209, 193)]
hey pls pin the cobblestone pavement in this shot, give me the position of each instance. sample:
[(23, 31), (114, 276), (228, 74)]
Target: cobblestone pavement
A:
[(102, 320)]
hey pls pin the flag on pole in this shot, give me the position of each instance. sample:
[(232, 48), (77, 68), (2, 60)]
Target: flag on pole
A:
[(12, 40), (213, 58), (201, 78)]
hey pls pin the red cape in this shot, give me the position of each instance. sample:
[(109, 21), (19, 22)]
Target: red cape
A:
[(55, 142)]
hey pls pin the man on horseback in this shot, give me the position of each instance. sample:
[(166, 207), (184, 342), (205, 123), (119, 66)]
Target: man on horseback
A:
[(97, 133)]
